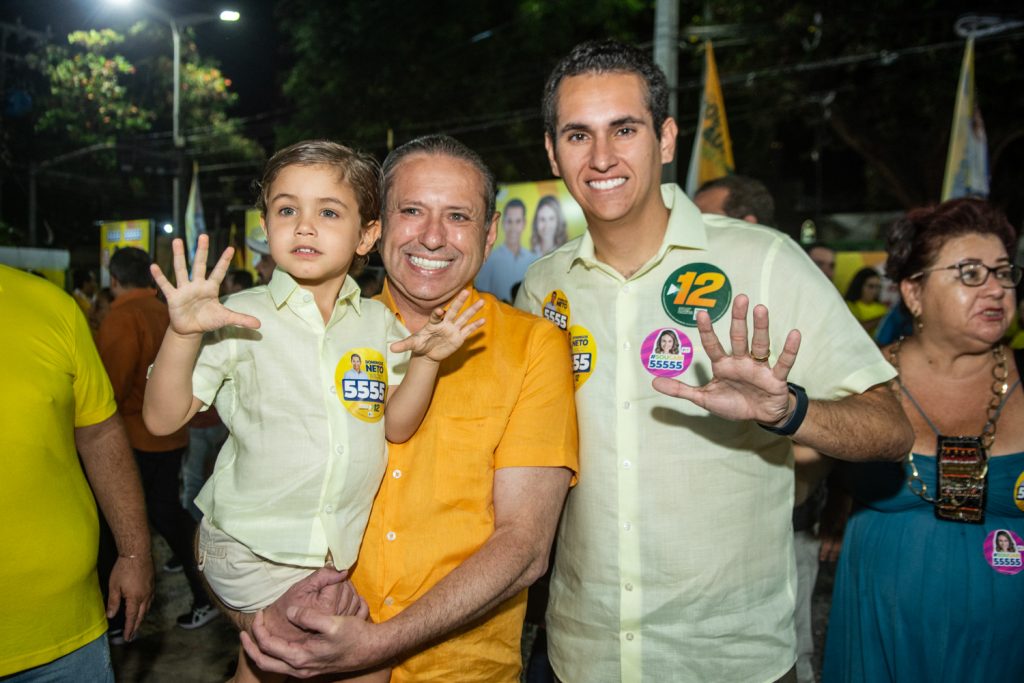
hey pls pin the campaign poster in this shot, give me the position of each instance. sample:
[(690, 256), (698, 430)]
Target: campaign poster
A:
[(119, 234), (536, 218)]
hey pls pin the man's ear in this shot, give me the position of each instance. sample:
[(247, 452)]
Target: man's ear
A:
[(669, 133), (549, 145), (368, 237), (492, 234)]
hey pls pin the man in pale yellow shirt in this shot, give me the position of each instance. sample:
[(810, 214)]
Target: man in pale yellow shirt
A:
[(675, 558)]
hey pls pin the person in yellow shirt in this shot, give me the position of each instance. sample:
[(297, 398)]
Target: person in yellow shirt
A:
[(675, 558), (465, 517), (862, 298), (57, 403)]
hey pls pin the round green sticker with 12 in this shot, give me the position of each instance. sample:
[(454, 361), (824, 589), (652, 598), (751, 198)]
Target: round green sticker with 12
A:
[(693, 288)]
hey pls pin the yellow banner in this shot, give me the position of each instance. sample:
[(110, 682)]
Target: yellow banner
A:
[(967, 158), (119, 234), (712, 147)]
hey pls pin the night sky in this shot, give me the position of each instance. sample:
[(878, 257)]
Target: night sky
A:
[(247, 50)]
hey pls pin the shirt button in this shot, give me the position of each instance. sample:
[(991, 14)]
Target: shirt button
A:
[(334, 390), (627, 526), (629, 586), (625, 405), (390, 536), (339, 449), (629, 636), (307, 298), (328, 508), (626, 346), (625, 289), (626, 464), (389, 601), (397, 474)]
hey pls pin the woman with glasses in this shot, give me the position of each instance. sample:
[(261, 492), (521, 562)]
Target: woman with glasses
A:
[(920, 594)]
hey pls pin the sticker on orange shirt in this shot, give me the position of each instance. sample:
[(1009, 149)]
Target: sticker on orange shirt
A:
[(361, 380), (584, 354), (556, 308)]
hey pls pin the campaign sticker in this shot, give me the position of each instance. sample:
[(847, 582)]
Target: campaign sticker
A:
[(361, 380), (693, 288), (556, 308), (666, 352), (1002, 551), (1018, 492), (584, 354)]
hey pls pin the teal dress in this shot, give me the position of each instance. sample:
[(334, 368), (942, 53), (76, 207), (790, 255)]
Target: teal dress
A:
[(921, 599)]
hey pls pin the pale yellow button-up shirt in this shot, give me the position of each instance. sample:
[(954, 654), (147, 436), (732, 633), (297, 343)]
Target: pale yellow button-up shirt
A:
[(299, 470), (675, 558)]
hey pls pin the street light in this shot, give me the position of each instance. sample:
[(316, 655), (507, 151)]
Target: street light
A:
[(176, 24)]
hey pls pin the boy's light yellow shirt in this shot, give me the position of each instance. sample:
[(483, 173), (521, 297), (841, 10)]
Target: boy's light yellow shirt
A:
[(299, 470)]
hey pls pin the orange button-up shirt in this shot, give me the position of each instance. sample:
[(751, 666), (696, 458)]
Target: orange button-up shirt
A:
[(128, 340), (505, 399)]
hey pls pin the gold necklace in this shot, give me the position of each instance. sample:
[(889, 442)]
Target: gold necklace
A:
[(961, 461)]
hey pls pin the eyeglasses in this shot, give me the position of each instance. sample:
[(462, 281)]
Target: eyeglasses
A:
[(975, 273)]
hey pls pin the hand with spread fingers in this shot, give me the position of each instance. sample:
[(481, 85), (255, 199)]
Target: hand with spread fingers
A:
[(444, 332), (194, 304), (744, 385)]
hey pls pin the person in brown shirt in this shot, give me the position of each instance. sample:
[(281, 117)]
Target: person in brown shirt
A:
[(128, 340)]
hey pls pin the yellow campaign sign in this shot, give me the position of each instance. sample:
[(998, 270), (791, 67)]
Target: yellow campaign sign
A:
[(120, 234), (712, 147), (253, 233)]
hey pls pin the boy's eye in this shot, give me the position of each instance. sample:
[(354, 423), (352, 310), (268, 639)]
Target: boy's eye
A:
[(286, 211), (329, 213)]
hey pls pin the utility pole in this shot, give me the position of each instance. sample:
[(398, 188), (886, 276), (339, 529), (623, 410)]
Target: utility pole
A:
[(666, 55)]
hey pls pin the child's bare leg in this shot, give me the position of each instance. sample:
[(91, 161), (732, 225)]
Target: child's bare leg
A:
[(248, 672)]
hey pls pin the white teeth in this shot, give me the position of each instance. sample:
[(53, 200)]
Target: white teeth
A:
[(606, 184), (428, 264), (305, 250)]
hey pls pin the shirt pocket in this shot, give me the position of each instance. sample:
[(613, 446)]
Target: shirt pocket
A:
[(464, 469)]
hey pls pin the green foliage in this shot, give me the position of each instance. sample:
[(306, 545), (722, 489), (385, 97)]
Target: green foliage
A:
[(88, 100)]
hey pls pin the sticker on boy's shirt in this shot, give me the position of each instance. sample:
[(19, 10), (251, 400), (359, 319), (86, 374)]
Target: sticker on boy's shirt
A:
[(666, 352), (361, 380), (556, 308), (693, 288), (1018, 492), (1002, 551), (584, 354)]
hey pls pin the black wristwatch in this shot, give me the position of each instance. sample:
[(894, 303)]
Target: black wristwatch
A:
[(799, 413)]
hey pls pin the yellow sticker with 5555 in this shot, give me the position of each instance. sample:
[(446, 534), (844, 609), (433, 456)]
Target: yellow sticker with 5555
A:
[(693, 288), (361, 381), (584, 354)]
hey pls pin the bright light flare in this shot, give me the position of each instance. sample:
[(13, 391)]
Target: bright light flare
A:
[(228, 15), (168, 228)]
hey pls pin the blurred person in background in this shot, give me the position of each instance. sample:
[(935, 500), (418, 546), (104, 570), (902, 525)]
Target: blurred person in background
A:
[(862, 296), (920, 592), (549, 227)]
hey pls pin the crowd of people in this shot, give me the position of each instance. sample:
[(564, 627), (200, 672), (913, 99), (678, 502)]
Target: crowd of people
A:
[(673, 395)]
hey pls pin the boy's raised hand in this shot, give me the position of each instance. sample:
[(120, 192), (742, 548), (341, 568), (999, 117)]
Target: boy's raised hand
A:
[(194, 305), (445, 332)]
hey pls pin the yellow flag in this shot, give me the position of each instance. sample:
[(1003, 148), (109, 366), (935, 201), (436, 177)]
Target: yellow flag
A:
[(967, 158), (712, 147)]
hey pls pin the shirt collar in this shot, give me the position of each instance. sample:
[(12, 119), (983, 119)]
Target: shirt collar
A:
[(685, 229), (282, 287), (388, 299)]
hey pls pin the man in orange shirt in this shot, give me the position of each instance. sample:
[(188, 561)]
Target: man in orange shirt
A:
[(128, 340), (464, 519)]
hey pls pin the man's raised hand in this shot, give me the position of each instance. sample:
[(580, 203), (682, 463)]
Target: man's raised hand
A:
[(744, 386)]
